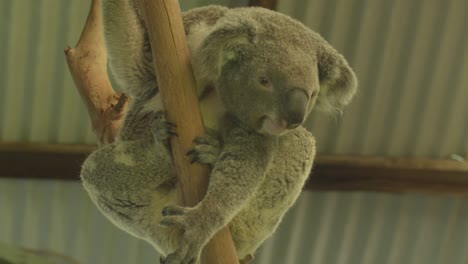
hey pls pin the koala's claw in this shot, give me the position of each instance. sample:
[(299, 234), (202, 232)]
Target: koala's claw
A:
[(162, 129), (206, 151), (171, 128), (174, 210), (193, 238), (209, 139), (175, 215), (195, 159), (194, 155)]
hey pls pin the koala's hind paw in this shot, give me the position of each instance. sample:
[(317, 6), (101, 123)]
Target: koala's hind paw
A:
[(193, 239), (206, 151), (161, 128)]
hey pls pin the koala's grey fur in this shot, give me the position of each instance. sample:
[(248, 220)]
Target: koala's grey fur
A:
[(257, 72)]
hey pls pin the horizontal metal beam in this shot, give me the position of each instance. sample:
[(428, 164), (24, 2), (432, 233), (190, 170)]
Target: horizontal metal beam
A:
[(330, 173), (385, 174), (42, 161)]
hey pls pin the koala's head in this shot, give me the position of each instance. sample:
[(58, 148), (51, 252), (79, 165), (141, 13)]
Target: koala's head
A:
[(270, 70)]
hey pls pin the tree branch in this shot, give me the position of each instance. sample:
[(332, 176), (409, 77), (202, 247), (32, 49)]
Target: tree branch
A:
[(87, 63), (176, 82)]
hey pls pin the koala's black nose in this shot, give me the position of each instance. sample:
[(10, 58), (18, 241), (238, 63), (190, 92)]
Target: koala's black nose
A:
[(295, 107)]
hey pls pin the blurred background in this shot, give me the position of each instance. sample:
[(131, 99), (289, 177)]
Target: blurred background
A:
[(411, 59)]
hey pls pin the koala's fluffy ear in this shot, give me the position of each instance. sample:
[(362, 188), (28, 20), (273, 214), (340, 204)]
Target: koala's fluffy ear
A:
[(228, 41), (338, 83)]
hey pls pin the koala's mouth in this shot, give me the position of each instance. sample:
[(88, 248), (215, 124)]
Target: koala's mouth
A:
[(273, 126)]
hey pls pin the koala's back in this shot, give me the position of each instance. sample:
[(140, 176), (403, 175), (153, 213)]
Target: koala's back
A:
[(128, 46)]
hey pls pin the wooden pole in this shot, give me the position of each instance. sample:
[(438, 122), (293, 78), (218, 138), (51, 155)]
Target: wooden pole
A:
[(176, 82)]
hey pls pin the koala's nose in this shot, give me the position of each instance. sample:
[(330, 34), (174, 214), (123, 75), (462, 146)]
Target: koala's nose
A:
[(295, 107)]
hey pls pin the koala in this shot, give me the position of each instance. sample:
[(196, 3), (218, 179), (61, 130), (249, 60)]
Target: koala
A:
[(259, 74)]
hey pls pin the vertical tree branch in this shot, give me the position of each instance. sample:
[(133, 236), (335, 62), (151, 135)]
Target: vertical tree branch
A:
[(163, 19), (87, 63)]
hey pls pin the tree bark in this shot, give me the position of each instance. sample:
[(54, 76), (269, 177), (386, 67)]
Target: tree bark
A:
[(176, 82), (87, 63)]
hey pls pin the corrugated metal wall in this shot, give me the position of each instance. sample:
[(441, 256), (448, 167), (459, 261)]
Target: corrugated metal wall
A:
[(38, 100), (411, 58), (322, 228)]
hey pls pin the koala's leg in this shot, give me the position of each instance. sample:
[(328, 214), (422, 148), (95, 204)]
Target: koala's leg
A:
[(132, 179), (128, 47)]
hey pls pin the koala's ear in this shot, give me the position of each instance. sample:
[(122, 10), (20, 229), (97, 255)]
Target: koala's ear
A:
[(338, 83), (229, 41)]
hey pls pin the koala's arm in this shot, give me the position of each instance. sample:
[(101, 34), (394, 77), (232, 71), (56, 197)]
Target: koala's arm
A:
[(237, 174), (128, 47), (234, 180)]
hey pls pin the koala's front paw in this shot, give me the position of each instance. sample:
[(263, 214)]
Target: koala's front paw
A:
[(206, 151), (193, 239), (161, 128)]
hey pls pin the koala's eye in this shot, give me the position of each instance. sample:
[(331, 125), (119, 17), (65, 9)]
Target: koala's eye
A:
[(264, 81)]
